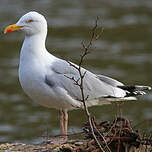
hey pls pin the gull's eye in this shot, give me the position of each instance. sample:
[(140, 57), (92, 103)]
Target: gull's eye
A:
[(29, 21)]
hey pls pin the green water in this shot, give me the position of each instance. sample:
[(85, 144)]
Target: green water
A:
[(124, 52)]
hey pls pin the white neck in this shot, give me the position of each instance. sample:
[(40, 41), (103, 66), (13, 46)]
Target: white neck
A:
[(33, 47)]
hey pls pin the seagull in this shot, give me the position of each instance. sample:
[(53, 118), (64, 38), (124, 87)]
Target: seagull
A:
[(46, 78)]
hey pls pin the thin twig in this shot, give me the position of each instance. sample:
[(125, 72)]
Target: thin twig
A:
[(120, 129), (101, 136), (80, 82)]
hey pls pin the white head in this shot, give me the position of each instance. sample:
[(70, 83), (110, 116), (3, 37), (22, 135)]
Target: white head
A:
[(31, 23)]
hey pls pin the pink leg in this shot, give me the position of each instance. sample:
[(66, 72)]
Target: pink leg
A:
[(63, 122), (64, 128)]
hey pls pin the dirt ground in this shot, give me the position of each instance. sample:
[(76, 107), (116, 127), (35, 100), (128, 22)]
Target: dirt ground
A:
[(70, 146), (115, 136)]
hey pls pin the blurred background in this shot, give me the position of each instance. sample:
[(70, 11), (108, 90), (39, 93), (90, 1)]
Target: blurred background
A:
[(123, 52)]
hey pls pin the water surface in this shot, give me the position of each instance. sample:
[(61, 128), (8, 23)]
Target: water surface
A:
[(123, 52)]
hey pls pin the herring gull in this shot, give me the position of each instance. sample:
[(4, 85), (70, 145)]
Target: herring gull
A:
[(45, 78)]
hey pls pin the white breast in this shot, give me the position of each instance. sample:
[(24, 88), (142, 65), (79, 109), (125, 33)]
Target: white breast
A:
[(33, 67), (34, 60)]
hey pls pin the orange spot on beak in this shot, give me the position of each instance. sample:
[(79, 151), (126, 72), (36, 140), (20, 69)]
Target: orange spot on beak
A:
[(9, 31)]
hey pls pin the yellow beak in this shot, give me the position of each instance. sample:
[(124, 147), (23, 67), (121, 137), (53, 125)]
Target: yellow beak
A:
[(12, 28)]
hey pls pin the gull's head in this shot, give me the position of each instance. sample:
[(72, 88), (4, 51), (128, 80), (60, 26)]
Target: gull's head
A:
[(31, 23)]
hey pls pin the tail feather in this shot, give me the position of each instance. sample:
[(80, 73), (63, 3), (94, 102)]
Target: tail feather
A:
[(131, 93), (135, 90)]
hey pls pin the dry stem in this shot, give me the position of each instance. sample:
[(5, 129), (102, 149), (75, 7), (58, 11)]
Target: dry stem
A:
[(86, 49)]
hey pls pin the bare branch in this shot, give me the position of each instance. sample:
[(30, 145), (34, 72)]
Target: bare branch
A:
[(101, 136), (76, 82), (86, 50), (73, 65)]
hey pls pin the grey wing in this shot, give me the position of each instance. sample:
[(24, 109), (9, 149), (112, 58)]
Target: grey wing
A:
[(94, 86), (110, 81)]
